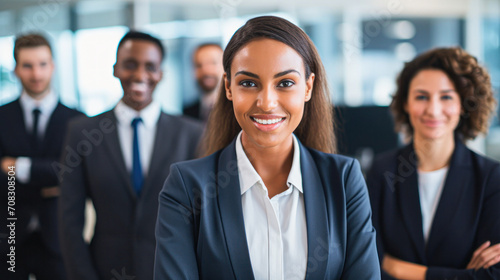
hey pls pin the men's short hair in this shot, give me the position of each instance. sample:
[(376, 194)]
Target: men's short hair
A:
[(136, 35), (204, 45), (30, 41)]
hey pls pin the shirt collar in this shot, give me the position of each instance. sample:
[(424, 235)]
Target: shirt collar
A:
[(249, 176), (295, 176), (46, 105), (150, 114)]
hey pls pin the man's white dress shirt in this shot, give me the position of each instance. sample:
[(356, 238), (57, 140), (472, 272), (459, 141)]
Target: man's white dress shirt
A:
[(46, 105), (146, 132)]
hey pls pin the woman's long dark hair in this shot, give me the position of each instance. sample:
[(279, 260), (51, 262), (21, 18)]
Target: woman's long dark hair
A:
[(316, 129)]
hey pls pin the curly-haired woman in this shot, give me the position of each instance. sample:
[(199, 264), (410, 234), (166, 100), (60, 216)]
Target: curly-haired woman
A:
[(436, 204)]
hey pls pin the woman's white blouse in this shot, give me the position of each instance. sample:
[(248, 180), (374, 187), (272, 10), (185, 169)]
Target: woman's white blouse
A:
[(275, 228), (430, 187)]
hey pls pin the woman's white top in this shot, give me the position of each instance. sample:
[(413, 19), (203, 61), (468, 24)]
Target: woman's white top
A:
[(430, 187), (275, 228)]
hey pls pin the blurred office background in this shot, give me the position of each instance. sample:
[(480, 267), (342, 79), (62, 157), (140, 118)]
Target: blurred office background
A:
[(363, 44)]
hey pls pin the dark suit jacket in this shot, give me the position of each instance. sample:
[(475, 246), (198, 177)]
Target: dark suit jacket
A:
[(201, 234), (124, 240), (193, 110), (468, 212), (14, 142)]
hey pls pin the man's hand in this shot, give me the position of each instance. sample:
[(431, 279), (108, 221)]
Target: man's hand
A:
[(6, 162)]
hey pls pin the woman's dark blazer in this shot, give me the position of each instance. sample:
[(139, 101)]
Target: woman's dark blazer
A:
[(468, 213), (201, 234)]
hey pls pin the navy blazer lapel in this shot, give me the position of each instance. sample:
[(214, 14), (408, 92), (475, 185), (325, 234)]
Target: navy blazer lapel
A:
[(52, 126), (20, 133), (316, 217), (458, 178), (162, 144), (231, 211), (114, 147), (409, 200)]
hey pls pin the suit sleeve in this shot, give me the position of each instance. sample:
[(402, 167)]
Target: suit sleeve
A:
[(488, 229), (175, 238), (198, 131), (42, 171), (75, 250), (375, 184), (42, 168), (361, 258)]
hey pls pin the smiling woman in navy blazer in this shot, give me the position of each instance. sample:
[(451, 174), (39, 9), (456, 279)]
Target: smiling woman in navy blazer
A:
[(436, 204), (270, 201)]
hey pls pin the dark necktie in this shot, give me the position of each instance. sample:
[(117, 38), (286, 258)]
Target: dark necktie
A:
[(137, 176), (34, 133)]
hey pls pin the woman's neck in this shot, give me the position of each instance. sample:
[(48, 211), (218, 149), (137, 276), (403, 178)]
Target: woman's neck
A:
[(433, 154), (273, 164)]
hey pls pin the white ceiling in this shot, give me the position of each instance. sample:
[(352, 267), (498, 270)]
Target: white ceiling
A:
[(376, 7)]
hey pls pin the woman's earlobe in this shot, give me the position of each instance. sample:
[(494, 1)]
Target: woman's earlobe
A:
[(308, 95), (227, 88), (309, 85)]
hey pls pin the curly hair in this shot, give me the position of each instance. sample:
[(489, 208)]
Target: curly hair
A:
[(471, 81)]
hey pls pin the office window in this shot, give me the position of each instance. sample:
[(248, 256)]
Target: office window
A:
[(9, 85), (99, 90)]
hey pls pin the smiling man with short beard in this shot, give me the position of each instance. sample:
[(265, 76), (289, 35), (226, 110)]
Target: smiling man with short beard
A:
[(32, 134), (208, 70)]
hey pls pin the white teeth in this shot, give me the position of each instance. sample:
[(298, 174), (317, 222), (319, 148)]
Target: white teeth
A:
[(271, 121), (138, 86)]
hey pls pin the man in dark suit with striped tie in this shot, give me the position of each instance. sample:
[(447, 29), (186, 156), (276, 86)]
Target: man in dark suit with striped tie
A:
[(32, 130), (120, 160)]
